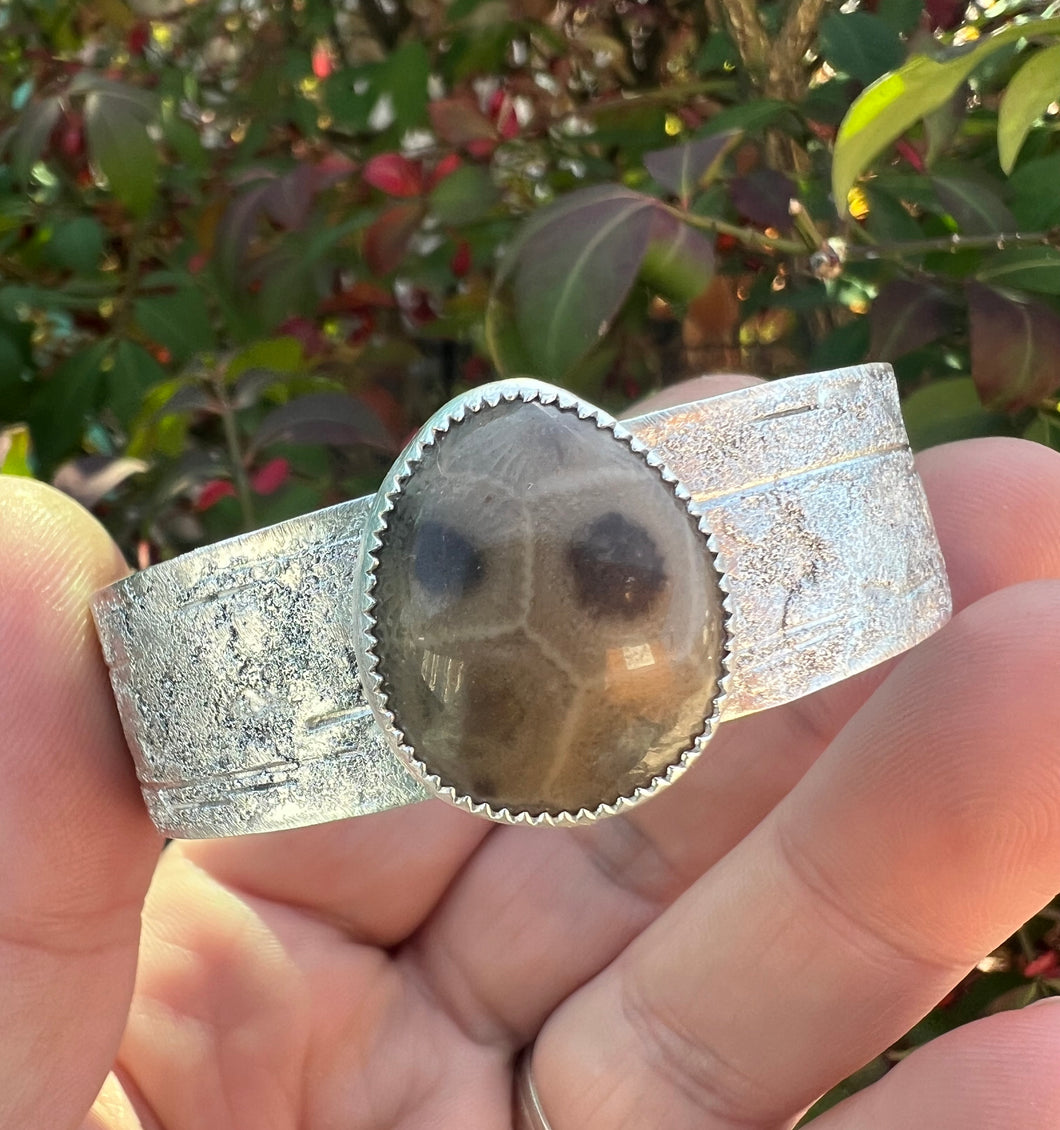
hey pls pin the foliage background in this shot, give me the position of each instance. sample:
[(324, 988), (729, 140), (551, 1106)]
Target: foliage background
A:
[(246, 248)]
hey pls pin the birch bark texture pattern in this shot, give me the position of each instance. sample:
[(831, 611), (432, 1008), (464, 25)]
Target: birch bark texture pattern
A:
[(541, 616)]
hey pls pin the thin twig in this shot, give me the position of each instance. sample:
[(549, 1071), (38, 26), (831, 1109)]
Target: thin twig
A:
[(235, 454)]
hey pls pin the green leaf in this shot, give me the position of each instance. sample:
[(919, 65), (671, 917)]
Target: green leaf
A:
[(888, 220), (139, 104), (846, 345), (507, 350), (747, 117), (183, 138), (179, 321), (1031, 90), (1015, 342), (633, 126), (1025, 268), (276, 354), (887, 108), (16, 353), (464, 196), (1033, 195), (31, 133), (860, 45), (76, 244), (404, 78), (718, 53), (131, 374), (118, 144), (679, 260), (947, 410), (15, 451), (571, 272), (902, 16), (62, 404)]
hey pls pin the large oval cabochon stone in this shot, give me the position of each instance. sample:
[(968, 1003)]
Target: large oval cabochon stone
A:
[(548, 616)]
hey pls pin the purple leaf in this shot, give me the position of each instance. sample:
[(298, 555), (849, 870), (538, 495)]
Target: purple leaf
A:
[(323, 417), (238, 226), (764, 197), (907, 314), (977, 207), (1015, 344), (287, 200), (682, 168), (572, 269)]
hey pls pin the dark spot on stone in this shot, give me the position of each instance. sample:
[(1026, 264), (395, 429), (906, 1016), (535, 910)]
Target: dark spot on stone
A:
[(446, 564), (618, 571)]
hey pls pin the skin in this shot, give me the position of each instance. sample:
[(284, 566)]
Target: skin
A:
[(715, 960)]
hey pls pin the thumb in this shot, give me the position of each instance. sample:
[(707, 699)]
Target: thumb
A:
[(76, 844)]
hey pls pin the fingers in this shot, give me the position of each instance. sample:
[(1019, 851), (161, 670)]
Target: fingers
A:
[(918, 841), (997, 1072), (535, 915), (78, 849), (378, 877)]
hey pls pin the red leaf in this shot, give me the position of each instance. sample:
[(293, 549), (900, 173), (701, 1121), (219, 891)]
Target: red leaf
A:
[(395, 175), (945, 15), (321, 61), (502, 111), (359, 297), (269, 479), (1042, 966), (387, 239), (445, 167), (212, 493), (460, 264), (137, 38), (307, 333), (910, 153)]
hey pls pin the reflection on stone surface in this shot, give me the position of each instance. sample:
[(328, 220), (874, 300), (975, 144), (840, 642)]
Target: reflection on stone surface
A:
[(549, 621)]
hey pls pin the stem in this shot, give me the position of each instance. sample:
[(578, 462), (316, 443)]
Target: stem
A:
[(678, 92), (749, 237), (235, 455), (953, 243), (131, 286)]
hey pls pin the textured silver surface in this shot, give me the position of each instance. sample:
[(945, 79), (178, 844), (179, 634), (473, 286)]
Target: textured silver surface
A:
[(234, 675), (819, 522), (236, 667)]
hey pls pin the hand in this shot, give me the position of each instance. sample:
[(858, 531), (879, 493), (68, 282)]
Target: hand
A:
[(715, 960)]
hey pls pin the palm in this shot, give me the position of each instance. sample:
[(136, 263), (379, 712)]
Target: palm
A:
[(717, 959)]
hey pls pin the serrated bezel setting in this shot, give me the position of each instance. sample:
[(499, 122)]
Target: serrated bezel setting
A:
[(373, 677)]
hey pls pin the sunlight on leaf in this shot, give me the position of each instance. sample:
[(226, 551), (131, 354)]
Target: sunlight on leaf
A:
[(1033, 88), (892, 104)]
